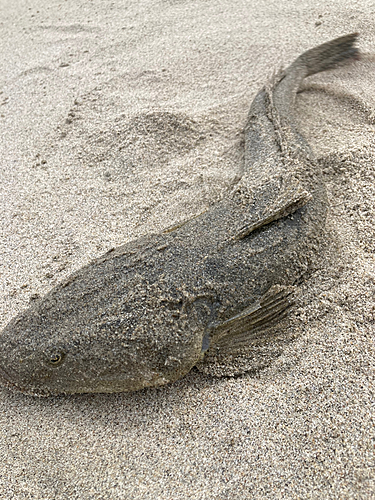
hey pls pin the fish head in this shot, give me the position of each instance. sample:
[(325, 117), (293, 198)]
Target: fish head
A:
[(101, 337), (35, 360)]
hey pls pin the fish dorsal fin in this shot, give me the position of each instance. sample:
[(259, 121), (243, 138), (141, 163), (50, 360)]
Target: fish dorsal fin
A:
[(287, 202), (254, 336), (271, 307), (257, 207)]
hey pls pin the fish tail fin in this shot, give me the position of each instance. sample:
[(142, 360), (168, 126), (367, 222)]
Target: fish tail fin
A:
[(329, 54), (320, 58)]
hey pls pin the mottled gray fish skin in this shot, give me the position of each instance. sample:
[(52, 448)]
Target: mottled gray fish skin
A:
[(145, 313)]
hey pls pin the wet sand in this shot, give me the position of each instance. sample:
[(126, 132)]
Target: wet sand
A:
[(78, 83)]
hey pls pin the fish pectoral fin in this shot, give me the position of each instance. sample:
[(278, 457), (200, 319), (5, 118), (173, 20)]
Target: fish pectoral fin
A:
[(288, 202), (252, 339), (243, 328)]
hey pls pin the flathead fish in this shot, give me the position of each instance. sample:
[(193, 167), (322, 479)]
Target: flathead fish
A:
[(216, 286)]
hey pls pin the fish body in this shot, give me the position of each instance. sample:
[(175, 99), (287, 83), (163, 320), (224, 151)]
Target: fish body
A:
[(145, 313)]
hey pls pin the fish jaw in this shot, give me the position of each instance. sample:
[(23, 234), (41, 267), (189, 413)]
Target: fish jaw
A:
[(100, 386), (42, 384)]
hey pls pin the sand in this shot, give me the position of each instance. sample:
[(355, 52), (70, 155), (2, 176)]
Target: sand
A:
[(78, 81)]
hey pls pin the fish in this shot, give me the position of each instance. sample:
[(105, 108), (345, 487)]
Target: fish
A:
[(213, 288)]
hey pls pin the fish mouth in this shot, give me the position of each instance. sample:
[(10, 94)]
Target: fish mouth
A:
[(6, 381)]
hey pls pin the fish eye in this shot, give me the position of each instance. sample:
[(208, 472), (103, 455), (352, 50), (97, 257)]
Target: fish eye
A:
[(55, 359)]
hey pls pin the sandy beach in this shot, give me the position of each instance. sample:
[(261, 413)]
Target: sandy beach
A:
[(77, 81)]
